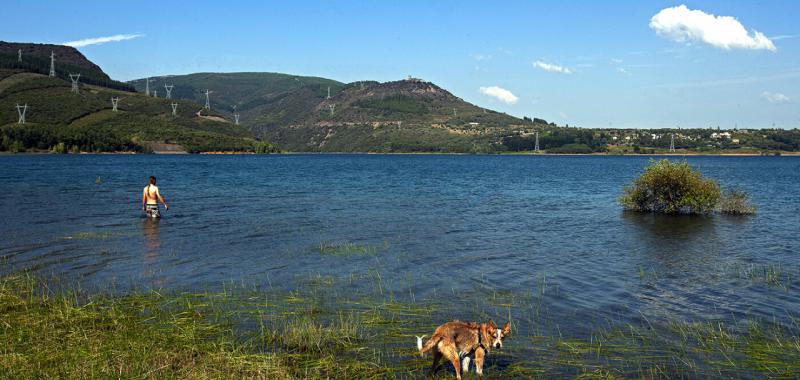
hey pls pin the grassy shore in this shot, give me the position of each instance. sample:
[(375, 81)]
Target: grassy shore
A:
[(320, 332)]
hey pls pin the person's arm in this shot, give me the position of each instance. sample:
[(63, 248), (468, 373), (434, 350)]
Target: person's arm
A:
[(158, 194), (144, 198)]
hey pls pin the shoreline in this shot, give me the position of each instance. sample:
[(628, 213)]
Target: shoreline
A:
[(692, 154)]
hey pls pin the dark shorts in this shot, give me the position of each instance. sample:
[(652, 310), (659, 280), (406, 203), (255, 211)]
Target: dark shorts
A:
[(152, 211)]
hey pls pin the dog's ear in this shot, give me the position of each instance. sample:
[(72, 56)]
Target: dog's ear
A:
[(491, 324), (506, 328)]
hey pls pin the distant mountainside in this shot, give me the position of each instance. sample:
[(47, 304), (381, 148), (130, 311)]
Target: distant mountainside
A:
[(295, 112), (68, 60), (59, 120)]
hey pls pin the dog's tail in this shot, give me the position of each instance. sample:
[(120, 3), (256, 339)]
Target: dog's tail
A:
[(423, 348)]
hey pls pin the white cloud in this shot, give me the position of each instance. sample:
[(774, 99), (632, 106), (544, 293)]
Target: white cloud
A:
[(102, 40), (500, 94), (616, 61), (775, 97), (563, 115), (622, 70), (482, 57), (682, 24), (553, 68)]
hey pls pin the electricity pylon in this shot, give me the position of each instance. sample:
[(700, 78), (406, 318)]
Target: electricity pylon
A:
[(75, 78), (21, 110)]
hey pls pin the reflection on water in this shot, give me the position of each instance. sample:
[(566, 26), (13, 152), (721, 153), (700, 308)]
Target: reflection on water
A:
[(152, 252), (674, 240)]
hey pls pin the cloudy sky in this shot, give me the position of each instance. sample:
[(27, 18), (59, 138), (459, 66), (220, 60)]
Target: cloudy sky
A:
[(585, 63)]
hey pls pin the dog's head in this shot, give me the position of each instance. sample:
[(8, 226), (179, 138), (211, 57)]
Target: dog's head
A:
[(494, 335)]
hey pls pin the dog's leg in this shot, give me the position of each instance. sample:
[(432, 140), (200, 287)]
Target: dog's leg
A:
[(436, 357), (465, 365), (451, 354), (479, 358)]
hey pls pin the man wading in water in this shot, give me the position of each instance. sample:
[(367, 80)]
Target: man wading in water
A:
[(150, 198)]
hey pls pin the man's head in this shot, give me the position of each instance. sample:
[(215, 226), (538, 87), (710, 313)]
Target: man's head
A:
[(152, 180)]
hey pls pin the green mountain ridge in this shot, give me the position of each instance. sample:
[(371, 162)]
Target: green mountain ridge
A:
[(367, 116), (59, 120)]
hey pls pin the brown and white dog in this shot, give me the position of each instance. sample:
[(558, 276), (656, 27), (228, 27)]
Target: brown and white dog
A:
[(456, 340)]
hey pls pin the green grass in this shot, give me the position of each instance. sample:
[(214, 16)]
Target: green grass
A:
[(325, 329)]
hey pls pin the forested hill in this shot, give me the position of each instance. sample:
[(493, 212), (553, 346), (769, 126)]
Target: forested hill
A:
[(316, 114), (62, 119)]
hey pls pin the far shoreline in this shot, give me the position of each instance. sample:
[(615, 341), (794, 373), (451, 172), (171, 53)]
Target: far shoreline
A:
[(183, 153)]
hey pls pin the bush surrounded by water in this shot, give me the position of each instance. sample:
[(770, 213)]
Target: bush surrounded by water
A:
[(671, 188)]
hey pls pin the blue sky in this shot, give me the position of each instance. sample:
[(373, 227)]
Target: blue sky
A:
[(584, 63)]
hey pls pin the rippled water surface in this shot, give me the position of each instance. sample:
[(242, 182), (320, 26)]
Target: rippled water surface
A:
[(432, 226)]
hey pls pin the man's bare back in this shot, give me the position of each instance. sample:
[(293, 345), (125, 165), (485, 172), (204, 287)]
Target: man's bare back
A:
[(150, 198)]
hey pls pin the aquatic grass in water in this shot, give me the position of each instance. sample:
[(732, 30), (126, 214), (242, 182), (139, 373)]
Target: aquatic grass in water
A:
[(325, 332), (348, 248)]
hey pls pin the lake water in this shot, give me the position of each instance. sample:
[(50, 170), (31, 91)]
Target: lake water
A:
[(435, 226)]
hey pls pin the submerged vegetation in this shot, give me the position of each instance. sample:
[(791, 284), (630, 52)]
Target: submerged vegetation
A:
[(736, 202), (669, 187), (319, 332)]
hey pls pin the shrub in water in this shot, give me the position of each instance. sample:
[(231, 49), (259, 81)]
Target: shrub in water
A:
[(736, 202), (671, 188)]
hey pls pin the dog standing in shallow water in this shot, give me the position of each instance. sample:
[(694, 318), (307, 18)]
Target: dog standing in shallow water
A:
[(456, 340)]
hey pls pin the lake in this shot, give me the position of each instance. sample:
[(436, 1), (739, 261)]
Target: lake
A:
[(439, 227)]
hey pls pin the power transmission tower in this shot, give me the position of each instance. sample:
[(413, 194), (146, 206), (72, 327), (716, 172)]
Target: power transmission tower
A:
[(52, 64), (169, 90), (236, 118), (208, 102), (332, 108), (174, 109), (21, 111), (75, 78), (19, 55), (536, 146), (399, 124), (362, 84), (672, 143), (329, 92), (147, 86), (114, 104), (155, 93), (455, 113)]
